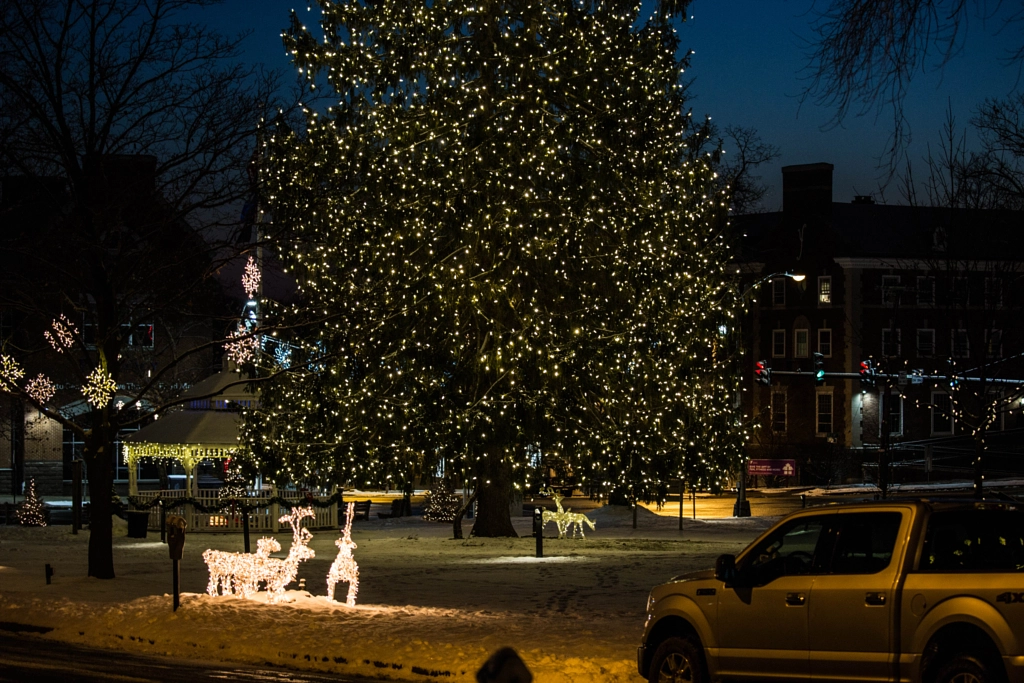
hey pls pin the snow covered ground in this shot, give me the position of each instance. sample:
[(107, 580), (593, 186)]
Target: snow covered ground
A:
[(429, 607)]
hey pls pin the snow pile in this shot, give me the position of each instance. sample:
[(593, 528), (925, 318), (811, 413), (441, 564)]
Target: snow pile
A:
[(429, 607)]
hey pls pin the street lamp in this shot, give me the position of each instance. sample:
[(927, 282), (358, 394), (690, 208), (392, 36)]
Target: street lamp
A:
[(742, 506)]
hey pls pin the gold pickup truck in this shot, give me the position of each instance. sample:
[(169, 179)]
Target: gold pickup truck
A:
[(916, 592)]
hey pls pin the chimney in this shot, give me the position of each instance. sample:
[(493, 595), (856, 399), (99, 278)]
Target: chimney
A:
[(807, 192)]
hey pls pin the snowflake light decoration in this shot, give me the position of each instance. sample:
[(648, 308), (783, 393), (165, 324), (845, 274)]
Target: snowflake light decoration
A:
[(99, 387), (63, 334), (10, 373), (251, 278), (41, 389), (283, 357), (242, 348)]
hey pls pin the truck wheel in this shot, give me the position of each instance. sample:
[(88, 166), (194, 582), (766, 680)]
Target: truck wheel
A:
[(965, 668), (677, 660)]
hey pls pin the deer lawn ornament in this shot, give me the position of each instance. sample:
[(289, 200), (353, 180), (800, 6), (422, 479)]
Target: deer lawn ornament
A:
[(345, 567), (241, 573), (563, 518)]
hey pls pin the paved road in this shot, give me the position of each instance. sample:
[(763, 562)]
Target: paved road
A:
[(30, 658)]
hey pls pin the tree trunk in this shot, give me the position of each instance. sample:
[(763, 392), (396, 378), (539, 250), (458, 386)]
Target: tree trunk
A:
[(98, 456), (457, 522), (494, 496)]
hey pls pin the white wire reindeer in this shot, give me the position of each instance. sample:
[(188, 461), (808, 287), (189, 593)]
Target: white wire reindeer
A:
[(563, 518), (345, 567)]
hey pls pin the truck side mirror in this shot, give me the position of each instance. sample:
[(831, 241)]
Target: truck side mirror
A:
[(725, 569)]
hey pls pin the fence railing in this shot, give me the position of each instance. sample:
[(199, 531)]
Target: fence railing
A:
[(262, 519)]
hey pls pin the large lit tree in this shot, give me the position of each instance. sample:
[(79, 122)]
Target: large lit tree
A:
[(507, 219)]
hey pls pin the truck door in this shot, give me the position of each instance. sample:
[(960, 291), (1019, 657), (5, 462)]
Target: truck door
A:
[(762, 620), (851, 611)]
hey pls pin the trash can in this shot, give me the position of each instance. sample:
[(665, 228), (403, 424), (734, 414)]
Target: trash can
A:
[(138, 523)]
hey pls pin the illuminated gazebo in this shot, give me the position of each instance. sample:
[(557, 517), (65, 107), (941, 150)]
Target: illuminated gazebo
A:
[(206, 429)]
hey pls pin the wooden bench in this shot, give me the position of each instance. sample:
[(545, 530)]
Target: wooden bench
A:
[(397, 510), (362, 509)]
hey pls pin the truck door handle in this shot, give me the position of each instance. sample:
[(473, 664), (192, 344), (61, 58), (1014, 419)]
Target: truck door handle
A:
[(874, 599), (795, 599)]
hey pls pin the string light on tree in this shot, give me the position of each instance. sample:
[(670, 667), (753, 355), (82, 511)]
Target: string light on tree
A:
[(99, 387), (512, 242), (31, 510)]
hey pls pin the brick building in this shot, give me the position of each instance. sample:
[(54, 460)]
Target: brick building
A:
[(924, 293)]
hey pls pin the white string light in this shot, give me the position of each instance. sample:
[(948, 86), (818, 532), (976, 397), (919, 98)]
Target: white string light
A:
[(344, 569), (41, 389), (241, 573)]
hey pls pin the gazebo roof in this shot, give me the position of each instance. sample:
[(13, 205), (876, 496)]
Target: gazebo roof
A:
[(207, 427)]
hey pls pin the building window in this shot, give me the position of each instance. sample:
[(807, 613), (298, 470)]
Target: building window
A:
[(890, 289), (961, 344), (925, 291), (925, 343), (778, 343), (891, 342), (942, 413), (800, 343), (994, 343), (961, 292), (825, 290), (141, 336), (824, 413), (825, 342), (894, 406), (779, 411), (993, 292), (779, 292)]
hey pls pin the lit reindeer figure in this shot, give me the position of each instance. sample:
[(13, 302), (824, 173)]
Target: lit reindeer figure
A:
[(563, 518), (238, 573), (345, 567), (280, 573), (241, 573)]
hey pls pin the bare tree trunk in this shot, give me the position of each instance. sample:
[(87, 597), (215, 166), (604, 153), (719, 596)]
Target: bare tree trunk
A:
[(101, 481), (457, 522), (494, 496)]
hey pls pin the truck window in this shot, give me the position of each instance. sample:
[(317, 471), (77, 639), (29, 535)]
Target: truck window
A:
[(864, 542), (787, 552), (974, 541)]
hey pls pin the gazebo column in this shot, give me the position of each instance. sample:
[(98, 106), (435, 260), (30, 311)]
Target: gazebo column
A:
[(133, 476)]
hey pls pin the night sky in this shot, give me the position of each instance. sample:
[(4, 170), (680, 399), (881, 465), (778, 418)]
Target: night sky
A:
[(749, 70)]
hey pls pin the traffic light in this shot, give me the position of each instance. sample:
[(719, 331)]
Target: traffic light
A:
[(867, 375), (819, 369), (763, 373)]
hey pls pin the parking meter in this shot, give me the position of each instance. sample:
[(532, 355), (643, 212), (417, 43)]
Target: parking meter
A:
[(538, 530), (176, 545), (176, 536)]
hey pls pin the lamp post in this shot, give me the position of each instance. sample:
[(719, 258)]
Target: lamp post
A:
[(742, 506)]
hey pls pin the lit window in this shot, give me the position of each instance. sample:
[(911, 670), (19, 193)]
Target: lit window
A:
[(825, 290)]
